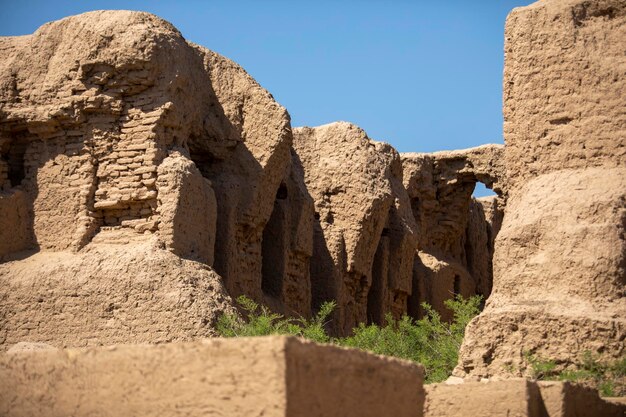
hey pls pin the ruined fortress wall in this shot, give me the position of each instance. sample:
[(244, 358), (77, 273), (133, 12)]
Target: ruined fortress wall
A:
[(255, 132), (101, 142), (559, 256), (126, 135)]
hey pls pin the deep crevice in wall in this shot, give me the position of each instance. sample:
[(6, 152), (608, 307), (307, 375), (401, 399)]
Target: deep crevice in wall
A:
[(273, 248), (456, 289), (321, 269), (379, 279)]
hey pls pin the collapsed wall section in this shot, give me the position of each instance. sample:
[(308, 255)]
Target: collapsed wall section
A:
[(457, 232)]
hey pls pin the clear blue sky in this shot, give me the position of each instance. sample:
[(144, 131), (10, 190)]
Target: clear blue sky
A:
[(421, 75)]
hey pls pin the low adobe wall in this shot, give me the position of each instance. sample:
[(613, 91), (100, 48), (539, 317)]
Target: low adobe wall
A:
[(270, 376), (517, 397)]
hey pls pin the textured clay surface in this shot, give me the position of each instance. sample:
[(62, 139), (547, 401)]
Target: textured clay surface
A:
[(364, 231), (271, 376), (517, 398), (559, 264), (119, 289), (107, 160)]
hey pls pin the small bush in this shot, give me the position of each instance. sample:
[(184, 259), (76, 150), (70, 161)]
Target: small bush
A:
[(609, 378), (539, 368), (260, 321), (428, 341)]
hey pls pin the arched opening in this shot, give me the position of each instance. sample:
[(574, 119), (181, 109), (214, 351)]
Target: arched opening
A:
[(273, 247), (12, 155), (375, 313), (481, 190)]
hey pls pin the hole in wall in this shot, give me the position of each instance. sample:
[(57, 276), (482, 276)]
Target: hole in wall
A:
[(481, 190), (281, 193), (14, 156), (415, 207)]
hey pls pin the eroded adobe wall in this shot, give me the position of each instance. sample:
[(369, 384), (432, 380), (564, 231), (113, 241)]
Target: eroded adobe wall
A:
[(485, 219), (102, 143), (364, 233), (564, 87), (255, 135), (121, 289), (456, 232), (559, 258), (91, 118), (287, 246)]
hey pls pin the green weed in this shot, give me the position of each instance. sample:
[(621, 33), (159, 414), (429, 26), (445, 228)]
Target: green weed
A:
[(609, 378)]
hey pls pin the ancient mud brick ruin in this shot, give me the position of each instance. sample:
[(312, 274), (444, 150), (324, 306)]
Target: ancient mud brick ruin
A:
[(128, 152), (146, 181)]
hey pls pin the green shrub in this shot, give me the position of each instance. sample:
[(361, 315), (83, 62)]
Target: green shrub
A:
[(260, 321), (539, 368), (609, 378), (429, 341)]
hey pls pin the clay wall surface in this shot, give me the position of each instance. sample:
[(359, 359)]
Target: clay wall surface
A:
[(112, 142), (92, 137), (15, 224), (564, 87), (253, 134), (271, 376), (517, 397), (565, 399), (287, 246), (559, 257), (120, 289), (182, 190)]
